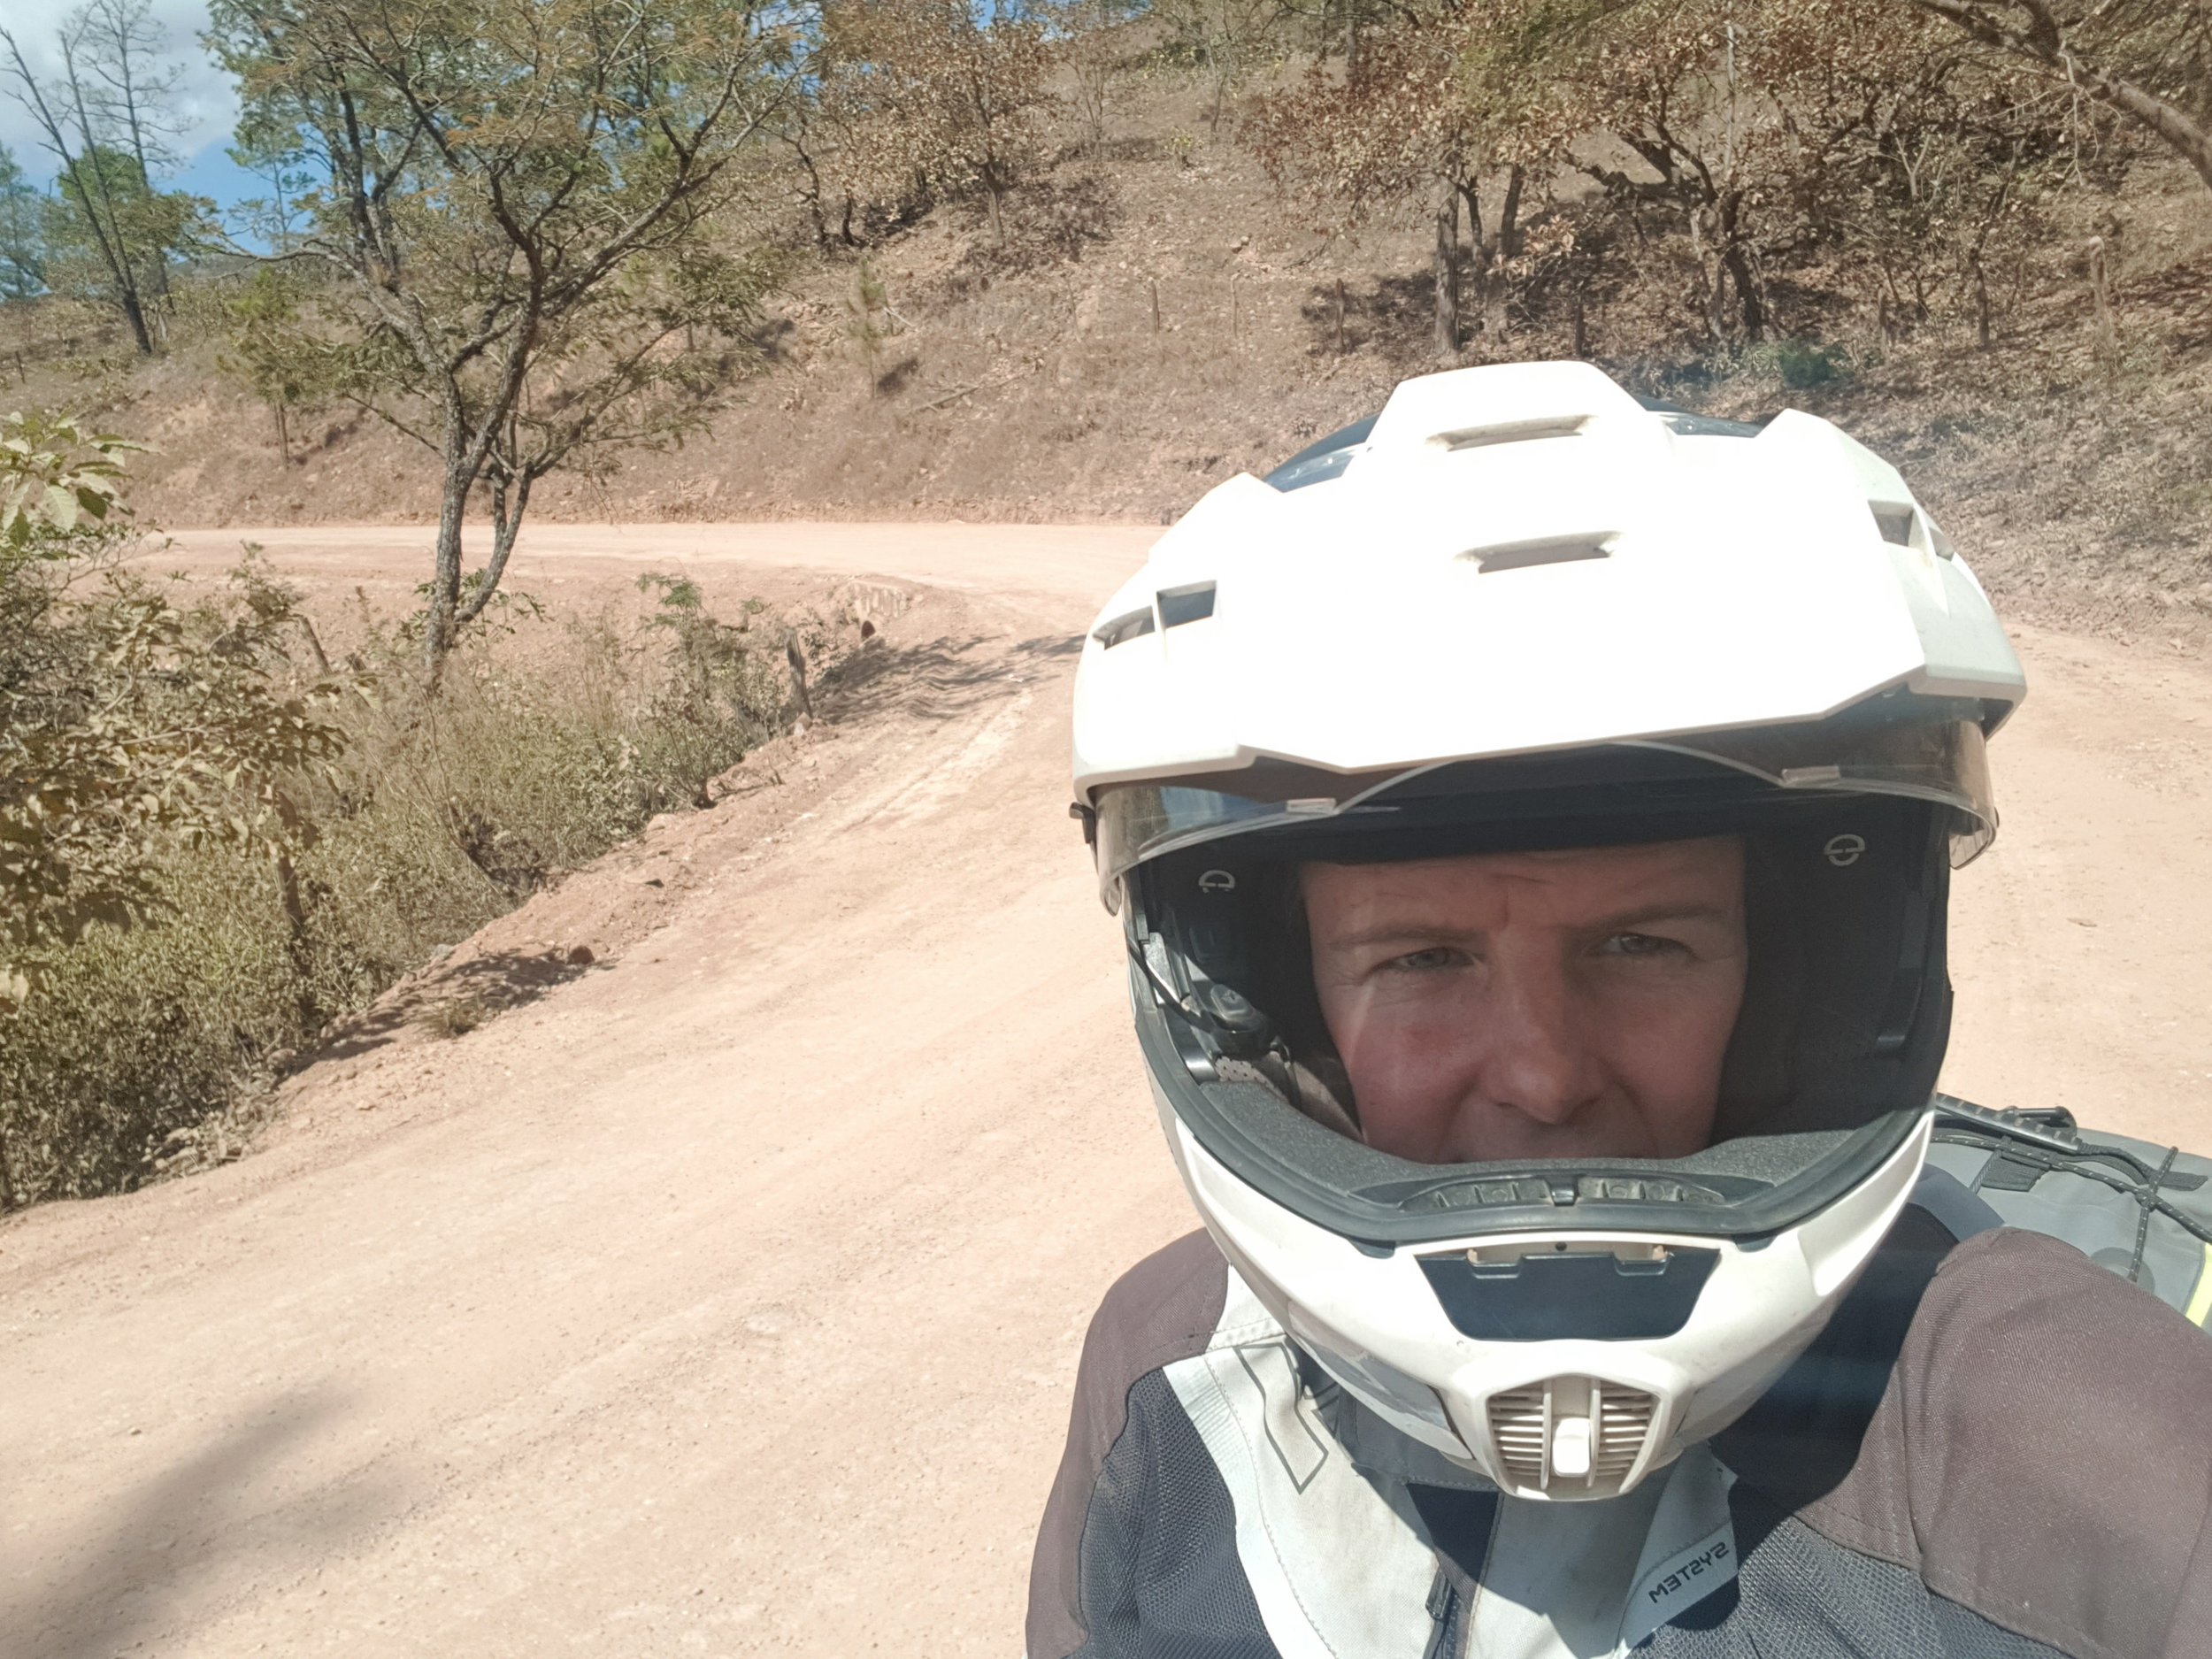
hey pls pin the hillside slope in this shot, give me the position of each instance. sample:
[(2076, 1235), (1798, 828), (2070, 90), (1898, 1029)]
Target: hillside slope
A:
[(1161, 317)]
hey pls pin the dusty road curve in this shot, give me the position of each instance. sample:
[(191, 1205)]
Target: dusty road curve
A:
[(723, 1299)]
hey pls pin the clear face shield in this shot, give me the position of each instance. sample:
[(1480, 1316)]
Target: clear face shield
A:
[(1936, 754), (1850, 825)]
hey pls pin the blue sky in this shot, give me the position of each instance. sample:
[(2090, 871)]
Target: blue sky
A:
[(208, 101)]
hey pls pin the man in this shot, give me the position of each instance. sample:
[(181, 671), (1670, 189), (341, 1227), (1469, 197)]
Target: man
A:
[(1533, 846)]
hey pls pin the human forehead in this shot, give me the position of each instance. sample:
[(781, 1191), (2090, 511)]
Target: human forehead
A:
[(1703, 872)]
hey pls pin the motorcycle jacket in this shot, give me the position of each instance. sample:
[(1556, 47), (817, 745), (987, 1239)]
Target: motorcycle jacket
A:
[(1995, 1450)]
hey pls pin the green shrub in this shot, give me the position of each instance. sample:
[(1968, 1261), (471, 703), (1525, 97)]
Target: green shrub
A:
[(545, 744), (136, 1034), (1800, 363)]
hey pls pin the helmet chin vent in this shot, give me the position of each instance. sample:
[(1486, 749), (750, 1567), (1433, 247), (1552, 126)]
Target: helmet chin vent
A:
[(1570, 1437)]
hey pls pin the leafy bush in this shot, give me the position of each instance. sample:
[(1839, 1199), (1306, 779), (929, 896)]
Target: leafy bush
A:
[(213, 844), (1800, 365), (130, 726)]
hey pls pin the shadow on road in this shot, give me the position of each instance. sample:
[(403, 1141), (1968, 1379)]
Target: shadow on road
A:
[(489, 984), (120, 1584), (941, 679)]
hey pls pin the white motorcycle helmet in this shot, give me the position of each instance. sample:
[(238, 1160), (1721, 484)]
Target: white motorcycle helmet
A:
[(1524, 609)]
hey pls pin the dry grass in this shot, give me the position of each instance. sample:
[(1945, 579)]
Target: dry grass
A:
[(150, 1049)]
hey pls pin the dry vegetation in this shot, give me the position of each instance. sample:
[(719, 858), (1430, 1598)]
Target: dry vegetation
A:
[(192, 893), (1157, 314)]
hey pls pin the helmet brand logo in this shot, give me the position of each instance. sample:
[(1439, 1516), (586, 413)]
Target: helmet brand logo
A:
[(1217, 881), (1843, 850)]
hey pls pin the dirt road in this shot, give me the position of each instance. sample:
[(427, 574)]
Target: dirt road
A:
[(722, 1297)]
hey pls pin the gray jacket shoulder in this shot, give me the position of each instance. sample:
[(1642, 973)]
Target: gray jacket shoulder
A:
[(1164, 1309)]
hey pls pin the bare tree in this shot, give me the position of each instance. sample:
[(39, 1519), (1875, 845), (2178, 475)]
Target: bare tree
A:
[(930, 98), (514, 206), (1227, 40), (2149, 60), (105, 117), (1097, 53), (1451, 109), (125, 53)]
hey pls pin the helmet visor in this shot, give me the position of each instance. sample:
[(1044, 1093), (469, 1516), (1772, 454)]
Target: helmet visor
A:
[(1936, 755)]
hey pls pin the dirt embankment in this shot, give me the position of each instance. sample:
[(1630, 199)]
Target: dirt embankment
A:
[(721, 1295)]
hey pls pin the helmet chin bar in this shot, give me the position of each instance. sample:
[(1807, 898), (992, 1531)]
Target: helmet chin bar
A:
[(1556, 1418), (1564, 1326)]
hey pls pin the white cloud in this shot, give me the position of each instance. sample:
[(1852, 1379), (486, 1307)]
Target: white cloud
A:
[(207, 103)]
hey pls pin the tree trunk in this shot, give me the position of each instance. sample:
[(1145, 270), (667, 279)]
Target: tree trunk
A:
[(812, 195), (509, 503), (1751, 300), (1711, 275), (445, 578), (1447, 271), (2101, 295), (797, 660), (1981, 299), (1751, 304), (1496, 241), (1510, 214), (134, 314)]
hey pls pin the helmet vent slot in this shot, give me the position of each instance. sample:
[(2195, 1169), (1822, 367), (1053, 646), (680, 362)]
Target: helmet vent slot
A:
[(1510, 432), (1178, 605), (1895, 520), (1577, 1436), (1623, 1424), (1520, 1422), (1551, 549), (1122, 629)]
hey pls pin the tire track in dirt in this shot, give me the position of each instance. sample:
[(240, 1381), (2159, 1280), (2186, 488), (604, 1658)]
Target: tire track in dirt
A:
[(723, 1298)]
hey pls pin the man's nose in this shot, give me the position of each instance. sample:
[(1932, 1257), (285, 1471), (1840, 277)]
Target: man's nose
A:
[(1539, 1059)]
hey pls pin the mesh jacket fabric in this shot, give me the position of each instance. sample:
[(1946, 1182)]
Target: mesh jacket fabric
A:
[(1799, 1596), (2039, 1455), (1161, 1311), (1161, 1577)]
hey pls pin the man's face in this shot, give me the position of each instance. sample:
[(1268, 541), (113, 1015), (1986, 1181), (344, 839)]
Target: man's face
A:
[(1533, 1004)]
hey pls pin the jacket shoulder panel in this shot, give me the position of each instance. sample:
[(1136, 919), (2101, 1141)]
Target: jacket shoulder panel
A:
[(2039, 1454)]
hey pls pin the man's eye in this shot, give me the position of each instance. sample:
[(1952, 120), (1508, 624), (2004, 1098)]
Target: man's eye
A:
[(1428, 961), (1643, 944)]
